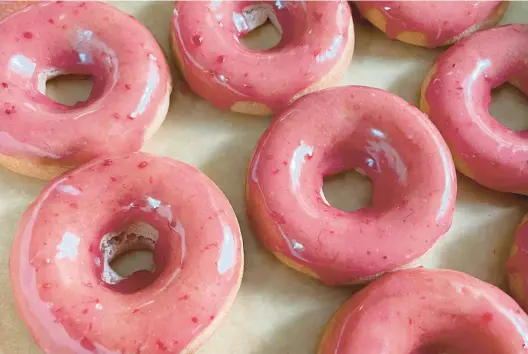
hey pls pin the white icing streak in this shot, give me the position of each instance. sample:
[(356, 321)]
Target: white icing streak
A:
[(69, 189), (331, 51), (68, 247), (153, 78), (297, 161), (21, 65), (227, 251)]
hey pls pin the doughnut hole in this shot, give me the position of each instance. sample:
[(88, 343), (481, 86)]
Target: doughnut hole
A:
[(119, 248), (348, 190), (135, 250), (74, 79), (264, 31), (509, 106), (69, 89), (349, 177), (133, 261)]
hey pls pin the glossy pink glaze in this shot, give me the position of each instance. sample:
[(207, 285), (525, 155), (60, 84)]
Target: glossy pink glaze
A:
[(223, 71), (439, 21), (420, 311), (324, 133), (131, 81), (56, 262), (459, 95), (517, 265)]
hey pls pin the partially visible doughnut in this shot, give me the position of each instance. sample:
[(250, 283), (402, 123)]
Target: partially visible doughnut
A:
[(456, 94), (314, 52), (432, 23), (427, 311), (129, 100)]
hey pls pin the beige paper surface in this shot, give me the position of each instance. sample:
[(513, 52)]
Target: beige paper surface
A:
[(280, 311)]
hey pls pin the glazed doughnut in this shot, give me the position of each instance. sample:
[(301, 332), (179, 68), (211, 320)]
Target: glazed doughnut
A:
[(129, 99), (423, 311), (74, 302), (324, 133), (8, 7), (517, 266), (457, 93), (432, 23), (315, 50)]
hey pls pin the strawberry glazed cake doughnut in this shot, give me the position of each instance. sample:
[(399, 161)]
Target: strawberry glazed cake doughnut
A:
[(456, 95), (517, 266), (314, 52), (129, 99), (327, 132), (432, 23), (422, 311), (65, 288)]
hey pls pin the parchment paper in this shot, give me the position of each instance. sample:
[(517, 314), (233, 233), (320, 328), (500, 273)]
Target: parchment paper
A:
[(280, 311)]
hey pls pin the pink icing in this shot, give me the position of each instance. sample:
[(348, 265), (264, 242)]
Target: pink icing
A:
[(439, 21), (321, 134), (223, 71), (423, 311), (56, 262), (459, 95), (131, 80)]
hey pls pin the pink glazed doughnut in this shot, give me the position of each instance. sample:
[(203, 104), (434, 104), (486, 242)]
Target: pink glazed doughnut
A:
[(432, 23), (324, 133), (74, 302), (315, 51), (422, 311), (517, 266), (129, 100), (457, 93)]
